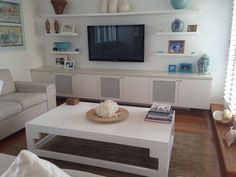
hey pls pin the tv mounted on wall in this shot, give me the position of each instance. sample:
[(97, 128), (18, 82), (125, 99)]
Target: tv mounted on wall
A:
[(121, 43)]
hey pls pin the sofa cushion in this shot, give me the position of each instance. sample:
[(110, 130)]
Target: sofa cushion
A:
[(8, 83), (8, 109), (25, 99)]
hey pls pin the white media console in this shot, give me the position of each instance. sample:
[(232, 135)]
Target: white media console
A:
[(130, 86)]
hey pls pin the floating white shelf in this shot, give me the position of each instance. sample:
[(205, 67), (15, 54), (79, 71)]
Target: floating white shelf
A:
[(176, 55), (63, 52), (61, 34), (176, 33), (160, 12)]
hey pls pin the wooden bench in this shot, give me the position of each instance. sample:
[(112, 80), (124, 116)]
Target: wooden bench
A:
[(228, 153)]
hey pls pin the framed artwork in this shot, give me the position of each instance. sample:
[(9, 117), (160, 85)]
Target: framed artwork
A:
[(176, 46), (60, 60), (172, 68), (10, 12), (11, 36), (185, 68), (67, 28), (192, 28), (69, 65)]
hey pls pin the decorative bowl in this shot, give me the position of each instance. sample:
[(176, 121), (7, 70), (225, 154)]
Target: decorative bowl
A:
[(217, 115), (62, 46)]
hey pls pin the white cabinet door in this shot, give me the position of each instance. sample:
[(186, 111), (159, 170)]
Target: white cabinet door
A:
[(44, 77), (135, 89), (110, 87), (164, 91), (194, 93), (86, 86)]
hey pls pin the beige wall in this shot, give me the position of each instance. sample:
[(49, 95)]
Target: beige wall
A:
[(19, 61)]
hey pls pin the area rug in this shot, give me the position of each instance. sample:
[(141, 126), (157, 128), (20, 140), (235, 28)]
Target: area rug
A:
[(186, 160)]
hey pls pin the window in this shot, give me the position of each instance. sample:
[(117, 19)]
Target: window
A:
[(230, 84)]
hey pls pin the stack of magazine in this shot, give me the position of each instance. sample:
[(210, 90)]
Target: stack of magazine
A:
[(160, 113)]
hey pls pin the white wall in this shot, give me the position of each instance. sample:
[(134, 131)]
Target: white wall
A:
[(19, 61), (213, 24)]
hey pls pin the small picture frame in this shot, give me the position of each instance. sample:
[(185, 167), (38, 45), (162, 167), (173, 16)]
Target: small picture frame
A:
[(176, 46), (60, 60), (185, 67), (69, 65), (172, 68), (67, 28), (192, 28)]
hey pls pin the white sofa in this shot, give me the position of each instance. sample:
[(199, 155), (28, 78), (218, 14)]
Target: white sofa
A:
[(21, 102), (6, 161)]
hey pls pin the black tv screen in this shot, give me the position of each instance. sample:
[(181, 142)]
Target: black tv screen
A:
[(122, 43)]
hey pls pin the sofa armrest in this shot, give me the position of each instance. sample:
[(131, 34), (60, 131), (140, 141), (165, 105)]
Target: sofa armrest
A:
[(47, 88)]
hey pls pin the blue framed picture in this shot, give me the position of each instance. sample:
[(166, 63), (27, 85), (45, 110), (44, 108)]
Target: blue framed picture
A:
[(185, 67), (172, 68)]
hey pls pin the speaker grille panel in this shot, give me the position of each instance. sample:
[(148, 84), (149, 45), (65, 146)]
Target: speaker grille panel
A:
[(110, 87), (164, 91), (63, 84)]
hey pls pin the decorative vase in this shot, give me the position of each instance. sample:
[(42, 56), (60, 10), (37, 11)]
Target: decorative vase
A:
[(177, 25), (113, 6), (59, 6), (104, 4), (56, 26), (124, 6), (47, 26), (179, 4), (203, 64)]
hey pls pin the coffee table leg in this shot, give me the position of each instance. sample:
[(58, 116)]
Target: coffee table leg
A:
[(163, 153)]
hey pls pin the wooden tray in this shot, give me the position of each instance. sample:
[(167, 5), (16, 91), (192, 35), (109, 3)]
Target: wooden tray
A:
[(123, 114)]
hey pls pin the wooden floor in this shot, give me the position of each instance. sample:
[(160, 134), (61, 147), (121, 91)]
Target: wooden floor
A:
[(193, 121)]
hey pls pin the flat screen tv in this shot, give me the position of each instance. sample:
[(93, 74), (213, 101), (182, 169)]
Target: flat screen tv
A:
[(121, 43)]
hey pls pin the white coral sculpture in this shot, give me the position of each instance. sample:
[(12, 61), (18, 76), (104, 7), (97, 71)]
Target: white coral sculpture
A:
[(107, 108)]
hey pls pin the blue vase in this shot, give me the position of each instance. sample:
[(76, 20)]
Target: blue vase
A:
[(203, 64), (179, 4), (177, 25)]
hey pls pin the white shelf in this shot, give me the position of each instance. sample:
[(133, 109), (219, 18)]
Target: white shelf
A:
[(61, 34), (63, 52), (176, 55), (176, 33), (160, 12)]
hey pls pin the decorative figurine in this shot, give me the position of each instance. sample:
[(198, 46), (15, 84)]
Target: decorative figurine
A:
[(47, 26), (56, 26)]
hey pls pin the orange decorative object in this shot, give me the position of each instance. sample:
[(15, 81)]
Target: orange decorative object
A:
[(59, 6)]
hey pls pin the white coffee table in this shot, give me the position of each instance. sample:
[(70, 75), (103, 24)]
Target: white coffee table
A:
[(71, 121)]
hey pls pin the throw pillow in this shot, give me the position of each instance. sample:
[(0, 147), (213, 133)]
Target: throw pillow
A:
[(28, 164)]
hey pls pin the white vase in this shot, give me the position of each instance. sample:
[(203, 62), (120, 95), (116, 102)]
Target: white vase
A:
[(124, 6), (104, 6), (113, 6)]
